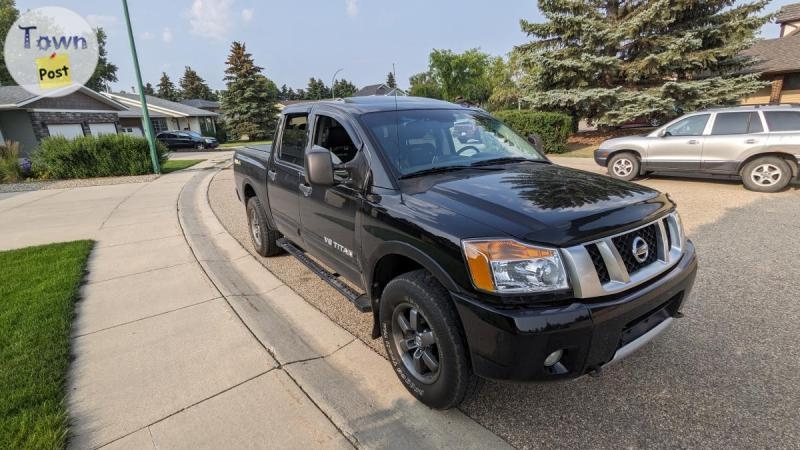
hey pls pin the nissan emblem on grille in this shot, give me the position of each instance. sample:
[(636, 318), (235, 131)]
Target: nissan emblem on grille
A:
[(640, 249)]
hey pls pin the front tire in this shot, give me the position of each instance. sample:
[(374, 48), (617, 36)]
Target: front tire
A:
[(624, 166), (263, 238), (766, 174), (424, 340)]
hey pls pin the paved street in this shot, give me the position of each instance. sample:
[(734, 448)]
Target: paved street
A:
[(726, 375)]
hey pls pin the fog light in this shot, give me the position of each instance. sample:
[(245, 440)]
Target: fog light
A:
[(553, 358)]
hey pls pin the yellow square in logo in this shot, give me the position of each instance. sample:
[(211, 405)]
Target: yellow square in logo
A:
[(54, 71)]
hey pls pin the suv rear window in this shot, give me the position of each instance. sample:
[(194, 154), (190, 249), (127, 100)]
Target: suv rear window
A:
[(783, 120), (737, 123)]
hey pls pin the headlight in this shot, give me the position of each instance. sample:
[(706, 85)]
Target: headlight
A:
[(508, 266)]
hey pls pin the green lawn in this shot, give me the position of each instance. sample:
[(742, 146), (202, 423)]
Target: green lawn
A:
[(242, 144), (178, 164), (38, 287)]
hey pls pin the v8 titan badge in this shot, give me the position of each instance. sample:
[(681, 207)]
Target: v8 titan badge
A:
[(51, 51)]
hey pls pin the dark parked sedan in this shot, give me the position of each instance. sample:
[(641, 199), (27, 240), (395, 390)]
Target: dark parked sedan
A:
[(186, 139)]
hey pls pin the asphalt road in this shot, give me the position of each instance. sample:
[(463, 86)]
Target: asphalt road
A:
[(725, 375)]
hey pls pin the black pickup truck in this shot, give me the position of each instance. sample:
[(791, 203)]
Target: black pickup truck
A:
[(480, 258)]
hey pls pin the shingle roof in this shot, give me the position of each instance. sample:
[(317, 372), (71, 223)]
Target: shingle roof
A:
[(166, 104), (135, 111), (11, 95), (779, 55), (200, 103), (788, 13)]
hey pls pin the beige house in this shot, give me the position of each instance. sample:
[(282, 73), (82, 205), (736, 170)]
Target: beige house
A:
[(779, 60)]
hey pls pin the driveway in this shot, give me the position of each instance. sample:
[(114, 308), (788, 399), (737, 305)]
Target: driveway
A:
[(725, 375)]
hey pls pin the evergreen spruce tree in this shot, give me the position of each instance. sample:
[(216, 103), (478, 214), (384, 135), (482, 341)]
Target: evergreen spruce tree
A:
[(193, 86), (612, 61), (343, 88), (249, 101), (148, 89), (105, 72), (390, 81), (166, 89)]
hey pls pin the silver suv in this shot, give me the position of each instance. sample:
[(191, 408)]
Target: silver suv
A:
[(760, 144)]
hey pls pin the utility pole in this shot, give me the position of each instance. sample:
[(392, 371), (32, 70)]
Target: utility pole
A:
[(148, 127)]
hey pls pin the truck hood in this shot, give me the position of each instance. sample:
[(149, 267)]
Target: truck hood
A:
[(541, 203)]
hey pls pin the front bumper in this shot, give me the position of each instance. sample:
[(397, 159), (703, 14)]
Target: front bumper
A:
[(512, 344), (601, 157)]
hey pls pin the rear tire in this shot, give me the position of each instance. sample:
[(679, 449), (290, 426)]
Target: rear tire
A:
[(264, 240), (624, 166), (424, 340), (766, 174)]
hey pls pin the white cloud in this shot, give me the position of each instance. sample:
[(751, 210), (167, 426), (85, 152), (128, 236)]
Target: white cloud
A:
[(352, 7), (147, 36), (247, 15), (211, 18), (105, 22), (166, 35)]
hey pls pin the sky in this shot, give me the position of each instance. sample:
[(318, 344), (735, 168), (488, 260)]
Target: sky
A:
[(294, 40)]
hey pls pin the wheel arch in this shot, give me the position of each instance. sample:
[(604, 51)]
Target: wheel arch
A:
[(636, 153), (790, 159), (396, 258)]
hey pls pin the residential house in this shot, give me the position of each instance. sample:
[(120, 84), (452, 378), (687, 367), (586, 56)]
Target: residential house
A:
[(28, 118), (208, 105), (779, 60), (164, 115), (378, 89)]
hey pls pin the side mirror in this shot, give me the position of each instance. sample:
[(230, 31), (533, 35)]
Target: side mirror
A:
[(319, 166), (663, 133), (535, 140)]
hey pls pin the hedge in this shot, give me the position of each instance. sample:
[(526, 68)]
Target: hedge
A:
[(89, 156), (554, 128)]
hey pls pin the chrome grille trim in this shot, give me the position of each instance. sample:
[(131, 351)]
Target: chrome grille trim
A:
[(583, 273)]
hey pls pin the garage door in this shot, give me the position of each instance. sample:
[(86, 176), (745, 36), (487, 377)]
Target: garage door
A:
[(68, 130), (102, 128)]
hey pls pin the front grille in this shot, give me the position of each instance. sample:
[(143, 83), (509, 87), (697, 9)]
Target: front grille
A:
[(624, 245), (599, 264)]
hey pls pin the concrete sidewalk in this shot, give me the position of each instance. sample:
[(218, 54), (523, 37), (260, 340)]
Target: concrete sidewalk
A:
[(183, 340)]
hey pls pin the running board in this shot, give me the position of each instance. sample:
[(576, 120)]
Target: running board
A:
[(360, 301)]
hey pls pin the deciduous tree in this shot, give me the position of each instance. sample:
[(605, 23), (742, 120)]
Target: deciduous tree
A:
[(8, 14), (105, 72)]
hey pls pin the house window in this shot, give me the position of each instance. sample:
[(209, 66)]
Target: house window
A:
[(791, 82), (159, 125)]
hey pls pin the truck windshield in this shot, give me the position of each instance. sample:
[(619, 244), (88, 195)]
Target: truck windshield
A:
[(420, 140)]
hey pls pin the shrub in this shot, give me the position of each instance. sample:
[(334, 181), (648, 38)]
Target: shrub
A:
[(10, 170), (89, 156), (554, 128)]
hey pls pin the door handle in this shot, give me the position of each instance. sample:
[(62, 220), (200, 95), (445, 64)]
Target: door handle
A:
[(305, 189), (272, 174), (693, 141), (751, 141)]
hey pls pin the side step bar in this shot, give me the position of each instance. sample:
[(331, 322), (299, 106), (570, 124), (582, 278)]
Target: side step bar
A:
[(360, 301)]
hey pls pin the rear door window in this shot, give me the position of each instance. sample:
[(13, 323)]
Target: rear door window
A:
[(783, 120), (736, 123), (294, 139)]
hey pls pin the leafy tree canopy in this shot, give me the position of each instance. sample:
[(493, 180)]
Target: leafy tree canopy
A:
[(8, 14), (105, 72)]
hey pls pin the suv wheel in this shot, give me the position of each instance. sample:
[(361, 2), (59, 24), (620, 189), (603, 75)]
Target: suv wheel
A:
[(767, 174), (624, 166), (264, 239), (200, 146), (424, 340)]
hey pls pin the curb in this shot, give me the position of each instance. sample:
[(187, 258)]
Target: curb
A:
[(351, 384)]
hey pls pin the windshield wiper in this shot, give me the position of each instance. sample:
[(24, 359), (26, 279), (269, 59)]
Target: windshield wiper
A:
[(442, 170), (504, 160)]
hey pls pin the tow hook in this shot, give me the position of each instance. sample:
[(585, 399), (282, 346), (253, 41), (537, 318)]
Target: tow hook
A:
[(678, 315), (596, 372)]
